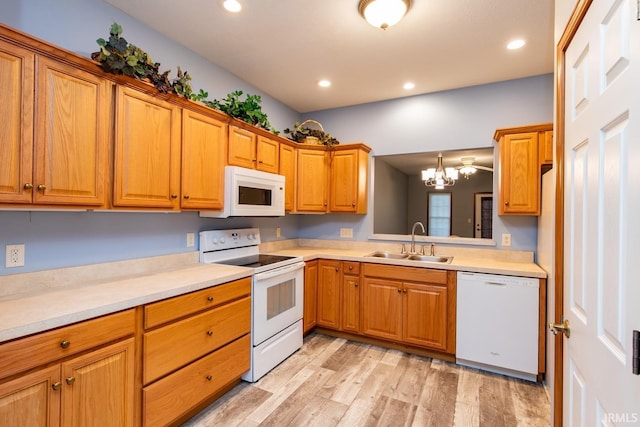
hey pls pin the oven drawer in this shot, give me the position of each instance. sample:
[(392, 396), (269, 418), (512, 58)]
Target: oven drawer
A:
[(168, 399), (171, 309), (173, 346)]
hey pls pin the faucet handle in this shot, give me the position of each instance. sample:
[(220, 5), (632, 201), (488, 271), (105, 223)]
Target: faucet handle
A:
[(403, 250), (422, 250), (432, 252)]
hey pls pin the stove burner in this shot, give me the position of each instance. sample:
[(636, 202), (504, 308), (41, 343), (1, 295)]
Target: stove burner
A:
[(256, 261)]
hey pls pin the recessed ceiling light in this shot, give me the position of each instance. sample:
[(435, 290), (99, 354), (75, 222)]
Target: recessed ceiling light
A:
[(515, 44), (232, 6), (324, 83), (409, 85)]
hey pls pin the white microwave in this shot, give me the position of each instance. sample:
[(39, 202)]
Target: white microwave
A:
[(249, 192)]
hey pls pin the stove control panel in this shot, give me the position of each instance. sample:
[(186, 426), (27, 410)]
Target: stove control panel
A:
[(215, 240)]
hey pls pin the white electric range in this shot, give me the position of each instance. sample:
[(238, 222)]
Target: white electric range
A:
[(276, 299)]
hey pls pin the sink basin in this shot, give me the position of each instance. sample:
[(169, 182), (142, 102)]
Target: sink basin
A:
[(385, 254), (430, 258), (411, 257)]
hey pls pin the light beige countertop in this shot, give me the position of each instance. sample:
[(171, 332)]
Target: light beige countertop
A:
[(36, 302), (38, 309)]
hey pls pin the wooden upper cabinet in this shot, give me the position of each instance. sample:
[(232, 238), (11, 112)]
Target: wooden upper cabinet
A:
[(242, 147), (312, 180), (16, 118), (204, 153), (72, 135), (348, 180), (267, 154), (519, 168), (287, 168), (546, 148), (248, 150), (147, 151)]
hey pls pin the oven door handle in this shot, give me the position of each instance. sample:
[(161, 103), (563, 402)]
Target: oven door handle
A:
[(279, 271)]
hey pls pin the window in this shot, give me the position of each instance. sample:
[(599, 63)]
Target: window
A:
[(439, 214)]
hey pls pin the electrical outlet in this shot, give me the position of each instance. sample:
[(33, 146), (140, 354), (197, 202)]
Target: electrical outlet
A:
[(191, 240), (506, 239), (346, 232), (15, 256), (278, 233)]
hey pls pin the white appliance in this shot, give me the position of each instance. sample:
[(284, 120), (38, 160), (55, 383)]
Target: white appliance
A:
[(497, 323), (249, 192), (276, 297)]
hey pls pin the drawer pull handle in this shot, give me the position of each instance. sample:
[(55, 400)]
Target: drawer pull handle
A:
[(65, 344), (56, 385), (209, 333), (351, 267), (210, 298), (71, 380), (209, 377)]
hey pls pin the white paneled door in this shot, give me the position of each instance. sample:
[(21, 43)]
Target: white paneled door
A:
[(601, 216)]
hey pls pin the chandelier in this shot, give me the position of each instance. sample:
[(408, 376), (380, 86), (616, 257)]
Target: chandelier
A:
[(383, 13), (439, 177)]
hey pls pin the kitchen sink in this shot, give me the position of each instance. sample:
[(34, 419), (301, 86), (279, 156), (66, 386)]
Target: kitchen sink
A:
[(430, 258), (385, 254), (411, 257)]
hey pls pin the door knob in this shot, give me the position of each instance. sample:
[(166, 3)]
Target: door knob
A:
[(560, 327)]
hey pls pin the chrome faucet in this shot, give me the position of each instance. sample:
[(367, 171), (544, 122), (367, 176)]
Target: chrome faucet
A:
[(413, 236)]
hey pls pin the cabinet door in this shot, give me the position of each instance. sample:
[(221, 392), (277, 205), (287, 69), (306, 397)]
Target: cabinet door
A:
[(98, 387), (31, 400), (204, 151), (147, 154), (382, 308), (546, 148), (72, 135), (351, 303), (310, 295), (267, 154), (348, 182), (288, 170), (329, 294), (242, 148), (519, 174), (16, 132), (425, 315), (311, 185)]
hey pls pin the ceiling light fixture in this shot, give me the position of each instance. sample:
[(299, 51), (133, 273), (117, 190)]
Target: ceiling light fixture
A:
[(383, 13), (409, 85), (467, 167), (232, 6), (439, 177), (324, 83), (515, 44)]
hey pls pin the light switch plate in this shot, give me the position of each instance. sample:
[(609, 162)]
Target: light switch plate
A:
[(191, 240), (278, 232)]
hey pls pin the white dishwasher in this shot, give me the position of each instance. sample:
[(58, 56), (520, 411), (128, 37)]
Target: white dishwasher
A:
[(497, 323)]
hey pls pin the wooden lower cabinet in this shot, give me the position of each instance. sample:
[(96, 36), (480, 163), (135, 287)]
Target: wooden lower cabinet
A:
[(350, 301), (310, 295), (166, 400), (414, 306), (329, 295), (194, 346), (77, 386)]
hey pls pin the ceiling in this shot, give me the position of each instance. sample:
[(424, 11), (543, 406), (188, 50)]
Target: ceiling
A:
[(414, 163), (284, 47)]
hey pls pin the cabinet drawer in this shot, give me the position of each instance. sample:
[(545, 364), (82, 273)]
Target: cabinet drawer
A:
[(416, 274), (36, 350), (175, 345), (350, 267), (171, 397), (164, 311)]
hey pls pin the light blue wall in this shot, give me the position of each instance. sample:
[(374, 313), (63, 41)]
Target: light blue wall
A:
[(448, 120)]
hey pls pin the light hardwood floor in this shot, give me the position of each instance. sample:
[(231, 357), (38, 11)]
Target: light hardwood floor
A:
[(334, 382)]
